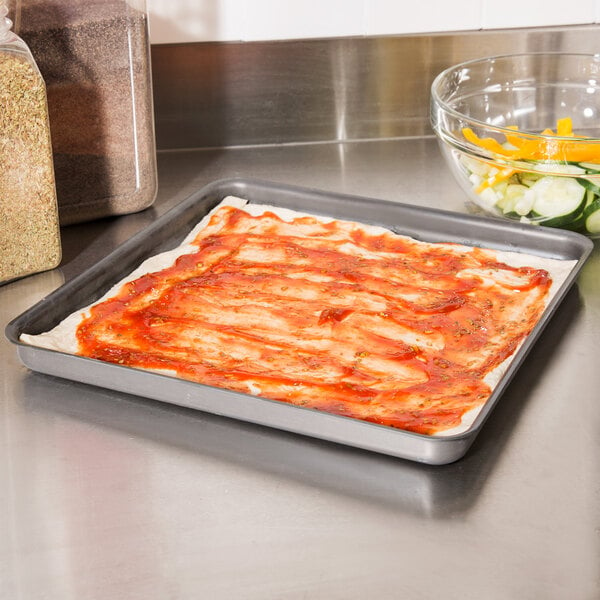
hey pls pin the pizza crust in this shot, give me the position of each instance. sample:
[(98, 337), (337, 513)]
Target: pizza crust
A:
[(62, 338)]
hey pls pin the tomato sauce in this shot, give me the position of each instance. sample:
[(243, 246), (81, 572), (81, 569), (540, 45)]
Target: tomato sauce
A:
[(328, 316)]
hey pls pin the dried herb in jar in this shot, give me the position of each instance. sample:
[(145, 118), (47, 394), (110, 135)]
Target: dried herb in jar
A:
[(29, 228)]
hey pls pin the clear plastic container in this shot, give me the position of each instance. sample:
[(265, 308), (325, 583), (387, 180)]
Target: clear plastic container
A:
[(29, 229), (95, 58)]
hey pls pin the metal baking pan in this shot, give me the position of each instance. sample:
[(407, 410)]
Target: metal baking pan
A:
[(166, 232)]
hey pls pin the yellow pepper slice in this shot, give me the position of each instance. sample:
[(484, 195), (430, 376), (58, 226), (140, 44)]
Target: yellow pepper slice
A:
[(487, 143), (501, 175), (564, 127), (524, 148)]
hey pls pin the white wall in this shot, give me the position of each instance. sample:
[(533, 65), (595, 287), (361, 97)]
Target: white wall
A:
[(173, 21)]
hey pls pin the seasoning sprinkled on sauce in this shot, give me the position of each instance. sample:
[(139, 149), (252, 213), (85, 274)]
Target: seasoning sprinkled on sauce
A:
[(376, 327)]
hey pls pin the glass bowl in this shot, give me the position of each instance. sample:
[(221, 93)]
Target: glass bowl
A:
[(521, 134)]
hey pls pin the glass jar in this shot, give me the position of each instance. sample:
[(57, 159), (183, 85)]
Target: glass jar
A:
[(95, 58), (29, 228)]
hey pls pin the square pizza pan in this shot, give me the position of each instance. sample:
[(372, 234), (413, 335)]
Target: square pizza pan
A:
[(424, 224)]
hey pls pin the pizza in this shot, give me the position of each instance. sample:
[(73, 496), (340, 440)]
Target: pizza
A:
[(322, 313)]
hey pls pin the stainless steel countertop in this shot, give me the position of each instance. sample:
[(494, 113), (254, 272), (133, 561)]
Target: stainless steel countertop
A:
[(106, 495)]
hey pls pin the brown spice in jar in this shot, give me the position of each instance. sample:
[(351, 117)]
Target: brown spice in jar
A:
[(94, 57), (29, 231)]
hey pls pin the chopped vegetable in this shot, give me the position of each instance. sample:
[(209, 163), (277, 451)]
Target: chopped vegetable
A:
[(562, 145), (566, 195)]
